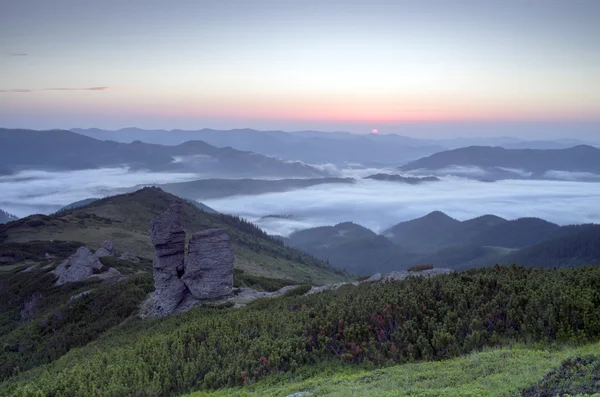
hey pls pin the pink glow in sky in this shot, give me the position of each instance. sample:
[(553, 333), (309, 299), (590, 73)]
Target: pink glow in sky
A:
[(303, 64)]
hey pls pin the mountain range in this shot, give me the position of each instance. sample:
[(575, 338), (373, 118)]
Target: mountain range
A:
[(500, 163), (215, 188), (446, 242), (318, 147), (67, 150)]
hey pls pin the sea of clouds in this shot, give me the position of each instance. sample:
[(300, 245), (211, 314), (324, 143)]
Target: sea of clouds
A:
[(374, 204), (31, 192), (379, 205)]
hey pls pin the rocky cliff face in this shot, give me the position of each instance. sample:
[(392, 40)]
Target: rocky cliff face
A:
[(209, 265), (207, 273)]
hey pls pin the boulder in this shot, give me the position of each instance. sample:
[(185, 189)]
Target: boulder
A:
[(82, 265), (209, 265), (107, 249), (168, 236)]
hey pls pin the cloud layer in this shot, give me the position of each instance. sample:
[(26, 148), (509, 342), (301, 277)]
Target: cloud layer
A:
[(379, 205), (374, 204), (21, 90), (44, 192)]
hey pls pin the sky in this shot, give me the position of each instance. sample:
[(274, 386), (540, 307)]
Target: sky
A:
[(427, 67)]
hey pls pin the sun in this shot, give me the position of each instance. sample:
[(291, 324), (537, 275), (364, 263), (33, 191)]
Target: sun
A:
[(375, 131)]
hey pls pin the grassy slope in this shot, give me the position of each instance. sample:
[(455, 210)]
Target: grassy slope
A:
[(125, 218), (504, 372), (302, 338)]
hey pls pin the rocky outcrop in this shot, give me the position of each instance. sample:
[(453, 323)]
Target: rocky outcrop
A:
[(207, 273), (107, 249), (83, 264), (168, 236), (209, 265)]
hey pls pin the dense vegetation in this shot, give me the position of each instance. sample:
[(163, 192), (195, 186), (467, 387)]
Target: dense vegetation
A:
[(372, 325), (40, 322), (576, 376)]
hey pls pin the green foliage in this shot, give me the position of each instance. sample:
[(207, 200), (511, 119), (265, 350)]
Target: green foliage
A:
[(420, 268), (42, 322), (298, 291), (372, 325), (496, 373), (576, 376), (37, 250), (244, 280)]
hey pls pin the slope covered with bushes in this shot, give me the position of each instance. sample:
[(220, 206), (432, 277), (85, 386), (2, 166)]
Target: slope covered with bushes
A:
[(371, 325)]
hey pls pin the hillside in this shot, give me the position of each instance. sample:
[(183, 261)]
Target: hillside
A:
[(499, 162), (516, 371), (214, 188), (124, 219), (350, 247), (415, 234), (349, 330), (574, 247), (66, 150)]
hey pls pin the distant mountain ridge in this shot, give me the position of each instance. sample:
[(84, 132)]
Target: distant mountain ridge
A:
[(67, 150), (411, 180), (313, 147), (204, 189), (523, 163), (319, 147), (446, 242)]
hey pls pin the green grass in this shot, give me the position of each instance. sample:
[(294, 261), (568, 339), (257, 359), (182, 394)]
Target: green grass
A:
[(503, 372)]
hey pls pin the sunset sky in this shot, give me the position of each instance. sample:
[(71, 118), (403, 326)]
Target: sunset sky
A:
[(301, 64)]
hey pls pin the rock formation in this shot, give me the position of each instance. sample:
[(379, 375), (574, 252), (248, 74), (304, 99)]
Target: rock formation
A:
[(107, 249), (168, 236), (83, 264), (209, 265), (207, 273)]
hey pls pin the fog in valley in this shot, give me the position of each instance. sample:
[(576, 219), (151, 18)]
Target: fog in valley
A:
[(35, 191), (376, 205)]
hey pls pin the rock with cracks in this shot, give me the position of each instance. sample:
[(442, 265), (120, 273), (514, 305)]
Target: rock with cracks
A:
[(209, 265), (179, 283), (168, 236)]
